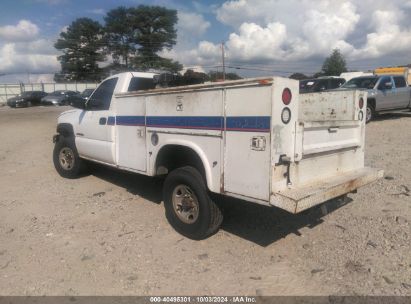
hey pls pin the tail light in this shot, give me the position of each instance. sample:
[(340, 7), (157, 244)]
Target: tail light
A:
[(286, 96), (361, 103)]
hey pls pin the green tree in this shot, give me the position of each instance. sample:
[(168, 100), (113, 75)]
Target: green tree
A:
[(156, 62), (218, 76), (298, 76), (334, 65), (119, 36), (154, 28), (136, 35), (81, 45)]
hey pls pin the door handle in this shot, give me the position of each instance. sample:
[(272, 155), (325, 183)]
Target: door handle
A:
[(102, 121), (333, 129)]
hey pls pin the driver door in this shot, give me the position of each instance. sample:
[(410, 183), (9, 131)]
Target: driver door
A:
[(386, 93), (95, 131)]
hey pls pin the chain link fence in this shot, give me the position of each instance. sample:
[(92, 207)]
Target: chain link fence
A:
[(11, 90)]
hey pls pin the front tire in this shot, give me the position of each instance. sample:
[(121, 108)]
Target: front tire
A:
[(188, 206), (66, 159), (369, 113)]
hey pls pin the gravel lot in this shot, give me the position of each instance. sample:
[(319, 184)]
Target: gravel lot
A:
[(106, 233)]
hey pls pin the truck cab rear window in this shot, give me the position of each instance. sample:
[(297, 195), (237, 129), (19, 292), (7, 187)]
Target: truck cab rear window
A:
[(138, 84)]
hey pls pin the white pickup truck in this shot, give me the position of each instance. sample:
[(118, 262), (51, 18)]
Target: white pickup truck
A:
[(253, 139)]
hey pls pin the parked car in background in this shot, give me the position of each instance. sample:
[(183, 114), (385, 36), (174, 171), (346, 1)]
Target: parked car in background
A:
[(385, 93), (80, 99), (320, 84), (26, 99), (86, 93), (58, 98)]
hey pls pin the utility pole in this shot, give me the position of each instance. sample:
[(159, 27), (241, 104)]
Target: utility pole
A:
[(222, 54)]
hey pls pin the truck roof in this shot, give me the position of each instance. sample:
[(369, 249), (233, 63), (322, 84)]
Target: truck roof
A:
[(244, 82), (135, 74)]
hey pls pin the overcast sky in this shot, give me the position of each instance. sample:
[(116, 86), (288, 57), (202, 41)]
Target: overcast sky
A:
[(270, 36)]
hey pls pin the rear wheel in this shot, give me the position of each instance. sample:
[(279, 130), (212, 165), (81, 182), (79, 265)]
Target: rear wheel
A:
[(189, 208), (66, 159)]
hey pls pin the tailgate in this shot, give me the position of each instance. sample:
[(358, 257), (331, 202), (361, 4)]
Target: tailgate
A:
[(329, 122)]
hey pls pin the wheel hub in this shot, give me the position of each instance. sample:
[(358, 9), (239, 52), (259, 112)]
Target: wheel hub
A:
[(66, 158), (185, 204)]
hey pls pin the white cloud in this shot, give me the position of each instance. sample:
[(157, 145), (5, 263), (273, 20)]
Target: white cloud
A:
[(64, 29), (23, 52), (292, 31), (13, 60), (254, 42), (190, 28), (191, 24), (23, 31), (388, 37)]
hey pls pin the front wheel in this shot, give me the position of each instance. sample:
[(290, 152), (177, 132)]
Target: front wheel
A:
[(369, 113), (66, 159), (189, 208)]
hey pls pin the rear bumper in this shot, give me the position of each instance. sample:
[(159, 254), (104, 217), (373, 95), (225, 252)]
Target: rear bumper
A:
[(302, 198)]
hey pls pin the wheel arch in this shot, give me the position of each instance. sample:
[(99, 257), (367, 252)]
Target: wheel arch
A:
[(371, 101), (173, 155), (65, 129)]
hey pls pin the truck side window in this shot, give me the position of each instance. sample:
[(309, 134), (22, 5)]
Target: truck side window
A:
[(137, 84), (101, 98), (399, 82)]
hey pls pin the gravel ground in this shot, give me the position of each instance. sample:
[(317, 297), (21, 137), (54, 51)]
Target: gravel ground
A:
[(106, 234)]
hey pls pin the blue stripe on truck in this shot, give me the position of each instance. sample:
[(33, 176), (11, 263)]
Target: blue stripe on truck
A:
[(248, 123), (186, 122), (131, 120), (233, 123)]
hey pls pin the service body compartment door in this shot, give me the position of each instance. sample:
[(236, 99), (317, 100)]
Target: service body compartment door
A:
[(247, 141), (329, 136), (131, 133)]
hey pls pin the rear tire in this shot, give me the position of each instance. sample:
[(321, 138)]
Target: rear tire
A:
[(66, 159), (188, 206)]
